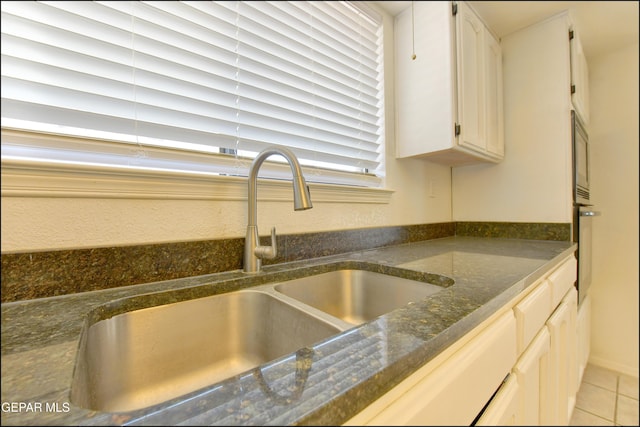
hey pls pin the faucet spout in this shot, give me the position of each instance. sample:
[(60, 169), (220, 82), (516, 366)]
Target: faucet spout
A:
[(253, 252)]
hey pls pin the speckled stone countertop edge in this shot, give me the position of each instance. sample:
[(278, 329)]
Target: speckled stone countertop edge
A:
[(40, 337)]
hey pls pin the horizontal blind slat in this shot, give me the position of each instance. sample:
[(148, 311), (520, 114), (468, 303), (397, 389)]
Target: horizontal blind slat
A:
[(200, 75)]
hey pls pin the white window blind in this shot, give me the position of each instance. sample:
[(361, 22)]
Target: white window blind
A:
[(221, 79)]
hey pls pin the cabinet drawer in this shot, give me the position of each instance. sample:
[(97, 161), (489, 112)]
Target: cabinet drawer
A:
[(562, 279), (503, 409), (531, 314), (456, 391)]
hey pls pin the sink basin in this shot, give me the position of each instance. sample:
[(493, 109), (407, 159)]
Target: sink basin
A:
[(356, 296), (147, 356)]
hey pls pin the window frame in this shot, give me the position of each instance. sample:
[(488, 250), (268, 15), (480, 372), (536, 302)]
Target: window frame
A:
[(30, 177), (27, 177)]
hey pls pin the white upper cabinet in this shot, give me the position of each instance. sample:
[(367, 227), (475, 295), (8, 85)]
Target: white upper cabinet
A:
[(494, 101), (579, 77), (449, 97)]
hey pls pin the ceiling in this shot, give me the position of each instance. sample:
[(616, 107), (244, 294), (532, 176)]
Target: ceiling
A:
[(603, 25)]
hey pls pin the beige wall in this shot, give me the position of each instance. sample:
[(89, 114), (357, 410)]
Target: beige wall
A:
[(613, 134), (30, 224)]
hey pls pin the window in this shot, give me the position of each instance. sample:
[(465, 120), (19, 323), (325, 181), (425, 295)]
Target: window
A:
[(195, 86)]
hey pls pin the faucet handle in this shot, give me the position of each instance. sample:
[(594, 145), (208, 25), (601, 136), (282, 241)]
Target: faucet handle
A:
[(268, 252)]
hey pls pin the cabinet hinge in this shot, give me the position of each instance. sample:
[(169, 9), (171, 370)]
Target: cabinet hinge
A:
[(573, 89), (570, 34), (454, 8), (457, 129)]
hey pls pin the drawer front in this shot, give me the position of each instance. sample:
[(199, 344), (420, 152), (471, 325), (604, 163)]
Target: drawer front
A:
[(562, 279), (531, 314), (504, 409), (456, 391)]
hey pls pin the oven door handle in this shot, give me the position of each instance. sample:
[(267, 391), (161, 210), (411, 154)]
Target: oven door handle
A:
[(589, 213)]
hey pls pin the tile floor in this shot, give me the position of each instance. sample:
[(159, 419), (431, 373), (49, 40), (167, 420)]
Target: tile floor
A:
[(606, 398)]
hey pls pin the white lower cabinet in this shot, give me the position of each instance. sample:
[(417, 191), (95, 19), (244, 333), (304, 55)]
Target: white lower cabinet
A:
[(563, 358), (454, 392), (584, 336), (504, 409), (547, 366), (542, 387), (532, 341), (532, 371)]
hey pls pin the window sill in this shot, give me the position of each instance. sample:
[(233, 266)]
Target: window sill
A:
[(27, 178)]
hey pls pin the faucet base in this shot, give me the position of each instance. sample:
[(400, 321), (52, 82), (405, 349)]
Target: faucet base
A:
[(251, 263)]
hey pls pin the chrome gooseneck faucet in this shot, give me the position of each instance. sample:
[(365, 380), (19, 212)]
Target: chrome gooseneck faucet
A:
[(253, 252)]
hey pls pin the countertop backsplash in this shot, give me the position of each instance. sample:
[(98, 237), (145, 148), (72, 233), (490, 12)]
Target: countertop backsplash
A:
[(44, 274)]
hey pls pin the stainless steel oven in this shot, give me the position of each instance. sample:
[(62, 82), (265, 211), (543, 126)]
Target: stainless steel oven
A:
[(583, 209), (583, 230), (581, 160)]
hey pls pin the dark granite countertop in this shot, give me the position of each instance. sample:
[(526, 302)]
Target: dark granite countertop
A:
[(348, 371)]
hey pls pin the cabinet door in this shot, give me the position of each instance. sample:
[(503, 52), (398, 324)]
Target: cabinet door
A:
[(504, 408), (532, 370), (425, 105), (583, 327), (579, 78), (562, 358), (470, 34), (493, 94)]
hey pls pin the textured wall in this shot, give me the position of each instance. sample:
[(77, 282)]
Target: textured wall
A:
[(614, 140)]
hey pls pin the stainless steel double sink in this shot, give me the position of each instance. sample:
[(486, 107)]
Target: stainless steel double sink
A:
[(144, 357)]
